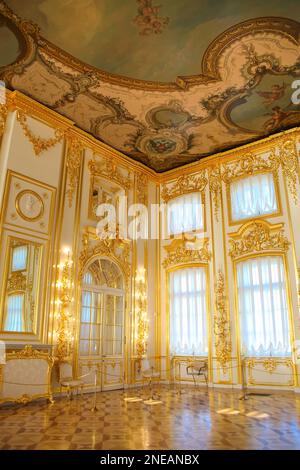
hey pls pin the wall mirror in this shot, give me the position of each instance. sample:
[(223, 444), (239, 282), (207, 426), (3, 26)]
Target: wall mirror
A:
[(21, 286)]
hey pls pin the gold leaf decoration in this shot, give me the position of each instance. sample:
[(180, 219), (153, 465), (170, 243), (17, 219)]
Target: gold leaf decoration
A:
[(110, 171), (215, 187), (290, 166), (74, 160), (269, 365), (258, 236), (221, 325), (3, 116), (248, 165), (142, 188), (179, 253), (115, 249), (184, 184), (39, 143), (17, 282)]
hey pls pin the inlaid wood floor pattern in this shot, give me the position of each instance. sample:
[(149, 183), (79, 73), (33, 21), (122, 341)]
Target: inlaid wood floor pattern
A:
[(195, 419)]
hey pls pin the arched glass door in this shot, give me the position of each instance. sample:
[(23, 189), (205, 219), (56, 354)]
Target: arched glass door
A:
[(101, 338)]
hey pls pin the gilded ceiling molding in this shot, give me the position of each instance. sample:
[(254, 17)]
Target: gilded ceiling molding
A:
[(257, 237), (110, 171), (74, 160), (183, 185), (215, 187), (284, 27), (39, 143), (115, 249), (179, 252), (222, 333)]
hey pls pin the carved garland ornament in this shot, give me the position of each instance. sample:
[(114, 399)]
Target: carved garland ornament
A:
[(184, 184), (110, 171), (114, 249), (283, 156), (290, 166), (142, 188), (258, 237), (74, 160), (182, 254), (215, 187), (39, 143), (221, 325)]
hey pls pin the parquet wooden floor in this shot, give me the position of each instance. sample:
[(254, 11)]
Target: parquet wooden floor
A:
[(195, 419)]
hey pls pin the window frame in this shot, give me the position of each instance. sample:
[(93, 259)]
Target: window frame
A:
[(167, 235), (208, 310), (288, 297), (5, 316), (277, 213)]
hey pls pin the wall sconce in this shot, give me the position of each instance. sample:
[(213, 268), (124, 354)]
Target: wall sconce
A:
[(64, 334), (142, 323)]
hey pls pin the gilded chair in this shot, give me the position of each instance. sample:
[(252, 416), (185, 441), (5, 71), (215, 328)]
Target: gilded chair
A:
[(67, 380)]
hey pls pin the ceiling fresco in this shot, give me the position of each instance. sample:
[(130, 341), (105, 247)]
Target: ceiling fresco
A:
[(164, 83)]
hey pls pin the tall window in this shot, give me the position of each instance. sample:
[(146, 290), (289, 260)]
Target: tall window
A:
[(19, 258), (188, 312), (102, 310), (185, 214), (253, 196), (263, 308), (15, 313)]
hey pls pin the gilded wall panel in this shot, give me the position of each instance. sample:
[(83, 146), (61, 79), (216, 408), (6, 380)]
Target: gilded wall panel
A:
[(29, 204)]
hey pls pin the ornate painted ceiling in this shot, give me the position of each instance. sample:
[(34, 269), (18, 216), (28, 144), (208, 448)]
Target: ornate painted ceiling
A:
[(165, 85)]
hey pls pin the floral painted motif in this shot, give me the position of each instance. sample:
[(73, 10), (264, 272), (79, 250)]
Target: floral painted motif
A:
[(148, 20)]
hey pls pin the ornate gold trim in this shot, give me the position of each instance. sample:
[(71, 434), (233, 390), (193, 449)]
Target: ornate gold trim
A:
[(183, 185), (110, 171), (215, 187), (18, 208), (74, 160), (178, 253), (258, 236), (3, 117), (269, 365), (115, 249), (223, 346), (142, 188), (29, 353), (39, 143), (288, 156)]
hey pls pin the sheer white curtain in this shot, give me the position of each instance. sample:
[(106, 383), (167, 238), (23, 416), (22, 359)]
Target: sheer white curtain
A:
[(188, 312), (263, 307), (14, 316), (185, 213), (19, 258), (253, 196)]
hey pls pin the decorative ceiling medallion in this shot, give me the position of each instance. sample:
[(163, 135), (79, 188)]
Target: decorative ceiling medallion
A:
[(29, 205), (162, 143)]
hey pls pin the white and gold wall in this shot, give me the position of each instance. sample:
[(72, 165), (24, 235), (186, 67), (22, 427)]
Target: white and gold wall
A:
[(50, 173)]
